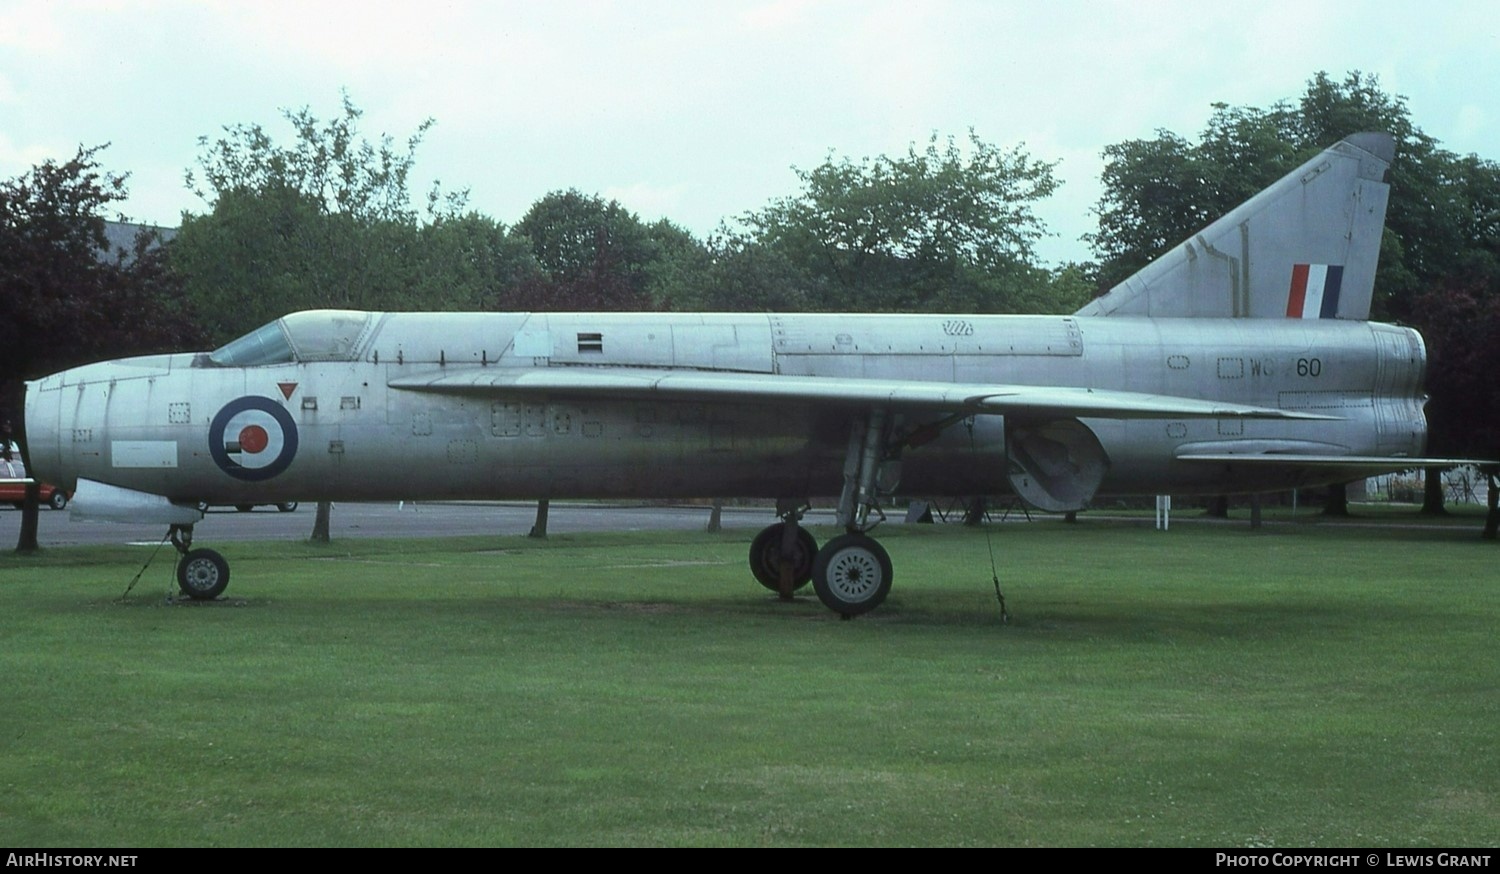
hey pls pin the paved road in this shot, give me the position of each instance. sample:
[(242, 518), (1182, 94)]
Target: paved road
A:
[(480, 518), (389, 520)]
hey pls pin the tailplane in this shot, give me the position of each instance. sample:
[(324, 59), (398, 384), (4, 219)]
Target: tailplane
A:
[(1306, 247)]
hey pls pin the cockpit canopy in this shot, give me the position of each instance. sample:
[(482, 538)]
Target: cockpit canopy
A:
[(312, 335)]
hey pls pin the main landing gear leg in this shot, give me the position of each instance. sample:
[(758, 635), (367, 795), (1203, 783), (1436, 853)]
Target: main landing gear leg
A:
[(202, 574), (781, 556), (852, 572)]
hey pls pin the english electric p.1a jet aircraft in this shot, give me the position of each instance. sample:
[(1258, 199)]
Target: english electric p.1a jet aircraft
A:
[(1240, 361)]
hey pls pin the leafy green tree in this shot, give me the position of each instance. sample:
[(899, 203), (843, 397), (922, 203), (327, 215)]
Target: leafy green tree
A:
[(745, 274), (257, 256), (949, 227), (1461, 320), (67, 298), (329, 163), (679, 268), (469, 261), (1067, 288), (596, 255), (327, 221)]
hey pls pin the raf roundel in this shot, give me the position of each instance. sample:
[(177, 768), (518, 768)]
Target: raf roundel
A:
[(252, 438)]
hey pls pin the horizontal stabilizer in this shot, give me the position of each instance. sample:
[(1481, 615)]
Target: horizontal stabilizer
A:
[(1013, 400)]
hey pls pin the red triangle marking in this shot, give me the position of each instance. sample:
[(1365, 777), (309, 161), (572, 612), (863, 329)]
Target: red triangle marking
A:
[(286, 389)]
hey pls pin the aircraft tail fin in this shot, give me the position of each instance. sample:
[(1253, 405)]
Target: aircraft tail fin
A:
[(1306, 247)]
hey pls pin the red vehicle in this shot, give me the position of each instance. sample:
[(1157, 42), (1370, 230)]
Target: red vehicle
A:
[(11, 468)]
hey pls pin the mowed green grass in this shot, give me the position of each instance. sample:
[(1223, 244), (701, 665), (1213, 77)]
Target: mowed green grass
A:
[(1307, 685)]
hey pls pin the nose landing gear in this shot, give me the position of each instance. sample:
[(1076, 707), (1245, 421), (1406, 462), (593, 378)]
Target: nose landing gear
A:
[(202, 574)]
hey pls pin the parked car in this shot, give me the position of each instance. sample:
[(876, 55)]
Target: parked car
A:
[(15, 493), (284, 507)]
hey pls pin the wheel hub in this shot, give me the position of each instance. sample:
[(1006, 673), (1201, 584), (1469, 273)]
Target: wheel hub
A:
[(201, 574), (855, 575)]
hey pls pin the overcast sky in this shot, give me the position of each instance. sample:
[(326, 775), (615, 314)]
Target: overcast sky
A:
[(696, 111)]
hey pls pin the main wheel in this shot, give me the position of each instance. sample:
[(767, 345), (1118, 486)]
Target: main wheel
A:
[(852, 574), (202, 574), (58, 500), (765, 557), (287, 507)]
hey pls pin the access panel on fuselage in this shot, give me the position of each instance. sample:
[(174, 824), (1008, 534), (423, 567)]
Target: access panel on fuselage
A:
[(935, 348)]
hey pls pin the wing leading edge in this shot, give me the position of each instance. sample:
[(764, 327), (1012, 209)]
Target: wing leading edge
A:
[(1015, 400)]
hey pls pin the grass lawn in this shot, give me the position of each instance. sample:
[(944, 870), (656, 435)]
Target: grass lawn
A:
[(1303, 685)]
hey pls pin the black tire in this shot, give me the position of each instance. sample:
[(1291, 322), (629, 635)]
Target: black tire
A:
[(852, 575), (244, 508), (59, 499), (765, 557), (202, 574), (287, 506)]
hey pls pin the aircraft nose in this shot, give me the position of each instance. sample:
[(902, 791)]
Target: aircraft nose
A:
[(41, 423)]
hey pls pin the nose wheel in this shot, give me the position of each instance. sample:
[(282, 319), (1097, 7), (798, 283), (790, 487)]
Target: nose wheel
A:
[(202, 574)]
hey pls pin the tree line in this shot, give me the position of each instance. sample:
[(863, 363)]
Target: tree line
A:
[(320, 215)]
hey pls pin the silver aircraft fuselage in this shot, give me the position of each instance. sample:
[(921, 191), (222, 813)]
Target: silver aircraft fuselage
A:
[(362, 419), (1239, 361)]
